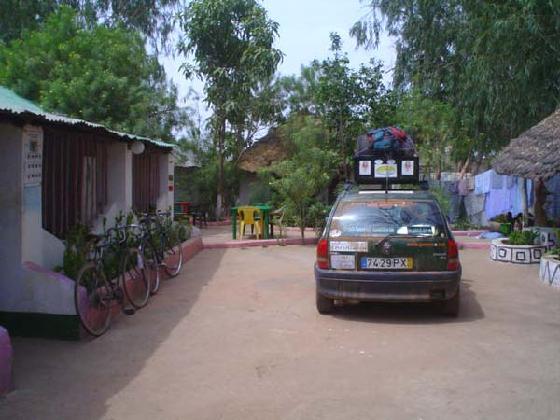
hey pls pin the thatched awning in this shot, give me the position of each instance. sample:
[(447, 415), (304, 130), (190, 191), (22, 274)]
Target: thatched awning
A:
[(535, 153), (264, 152)]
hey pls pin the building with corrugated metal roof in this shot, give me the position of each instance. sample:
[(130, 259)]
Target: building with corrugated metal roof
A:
[(57, 172)]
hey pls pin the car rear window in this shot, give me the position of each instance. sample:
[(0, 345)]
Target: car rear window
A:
[(386, 217)]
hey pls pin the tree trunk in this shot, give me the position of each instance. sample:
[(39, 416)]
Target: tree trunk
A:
[(540, 199), (221, 142), (302, 224), (465, 167)]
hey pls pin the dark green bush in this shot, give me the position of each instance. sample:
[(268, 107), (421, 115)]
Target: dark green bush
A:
[(77, 245)]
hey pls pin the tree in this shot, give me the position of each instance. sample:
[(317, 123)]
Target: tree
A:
[(153, 18), (98, 74), (496, 63), (260, 110), (348, 100), (433, 124), (231, 42), (298, 91), (299, 179)]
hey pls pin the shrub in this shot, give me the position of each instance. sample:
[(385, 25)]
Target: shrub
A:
[(526, 237), (77, 245)]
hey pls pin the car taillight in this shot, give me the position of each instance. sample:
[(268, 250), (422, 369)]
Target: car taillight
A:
[(452, 255), (323, 254)]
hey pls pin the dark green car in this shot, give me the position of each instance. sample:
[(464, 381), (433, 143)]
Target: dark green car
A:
[(394, 246)]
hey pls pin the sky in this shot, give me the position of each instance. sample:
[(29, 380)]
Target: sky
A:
[(304, 31)]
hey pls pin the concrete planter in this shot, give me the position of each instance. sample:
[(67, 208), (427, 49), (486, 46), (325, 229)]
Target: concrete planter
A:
[(500, 250), (549, 271)]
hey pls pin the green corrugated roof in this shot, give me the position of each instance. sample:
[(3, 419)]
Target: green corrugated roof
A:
[(14, 104)]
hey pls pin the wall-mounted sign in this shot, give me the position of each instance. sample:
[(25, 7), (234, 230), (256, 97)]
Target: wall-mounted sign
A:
[(32, 155), (385, 170)]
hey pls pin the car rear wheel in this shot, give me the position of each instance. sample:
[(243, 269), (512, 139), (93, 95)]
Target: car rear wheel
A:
[(324, 305), (450, 307)]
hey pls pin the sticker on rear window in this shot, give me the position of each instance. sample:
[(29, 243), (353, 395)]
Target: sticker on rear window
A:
[(348, 246), (335, 233)]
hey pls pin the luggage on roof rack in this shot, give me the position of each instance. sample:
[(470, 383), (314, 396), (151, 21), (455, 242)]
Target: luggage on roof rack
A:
[(386, 156), (386, 142)]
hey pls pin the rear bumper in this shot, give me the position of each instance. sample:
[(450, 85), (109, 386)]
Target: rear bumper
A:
[(388, 286)]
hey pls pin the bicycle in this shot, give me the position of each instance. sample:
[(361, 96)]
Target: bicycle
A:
[(95, 295), (160, 245)]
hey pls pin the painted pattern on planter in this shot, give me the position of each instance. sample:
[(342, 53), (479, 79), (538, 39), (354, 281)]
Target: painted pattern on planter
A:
[(517, 254), (549, 271)]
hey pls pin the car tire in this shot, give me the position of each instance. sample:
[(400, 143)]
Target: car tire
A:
[(324, 305), (450, 307)]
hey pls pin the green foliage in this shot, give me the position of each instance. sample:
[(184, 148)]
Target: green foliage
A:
[(463, 223), (200, 185), (554, 252), (495, 63), (299, 179), (346, 100), (438, 136), (99, 74), (260, 192), (77, 246), (443, 198), (153, 18), (297, 92), (183, 229), (526, 237), (317, 216)]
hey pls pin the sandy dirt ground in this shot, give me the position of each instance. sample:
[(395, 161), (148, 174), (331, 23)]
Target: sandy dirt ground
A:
[(237, 336)]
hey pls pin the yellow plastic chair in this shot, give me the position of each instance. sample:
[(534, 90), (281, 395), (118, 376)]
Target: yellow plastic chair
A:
[(249, 216)]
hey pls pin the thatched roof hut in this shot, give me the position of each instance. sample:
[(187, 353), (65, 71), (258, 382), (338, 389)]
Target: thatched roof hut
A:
[(535, 153), (264, 152)]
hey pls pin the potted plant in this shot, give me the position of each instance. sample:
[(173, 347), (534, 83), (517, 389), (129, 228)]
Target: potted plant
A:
[(526, 237), (519, 248)]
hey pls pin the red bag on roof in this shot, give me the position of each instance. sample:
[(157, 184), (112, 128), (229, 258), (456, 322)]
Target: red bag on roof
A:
[(398, 133)]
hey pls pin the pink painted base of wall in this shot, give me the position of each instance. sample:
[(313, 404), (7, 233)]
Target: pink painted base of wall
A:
[(192, 247), (6, 355), (261, 242)]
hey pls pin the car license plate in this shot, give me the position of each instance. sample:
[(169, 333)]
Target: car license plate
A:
[(395, 263)]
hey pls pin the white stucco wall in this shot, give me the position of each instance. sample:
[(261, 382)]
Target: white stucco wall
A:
[(119, 184), (23, 286), (166, 198)]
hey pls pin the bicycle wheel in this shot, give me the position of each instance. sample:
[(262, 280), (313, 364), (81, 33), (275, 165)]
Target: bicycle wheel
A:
[(93, 297), (152, 269), (173, 261), (133, 278)]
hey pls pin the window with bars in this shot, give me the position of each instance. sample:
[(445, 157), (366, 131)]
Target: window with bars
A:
[(74, 185)]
